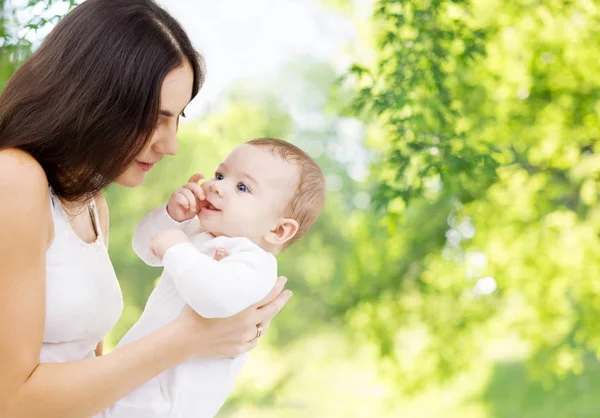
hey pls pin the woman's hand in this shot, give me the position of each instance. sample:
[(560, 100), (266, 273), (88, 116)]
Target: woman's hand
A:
[(230, 337)]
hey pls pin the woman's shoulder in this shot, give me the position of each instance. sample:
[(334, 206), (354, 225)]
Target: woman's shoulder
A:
[(14, 161), (22, 175)]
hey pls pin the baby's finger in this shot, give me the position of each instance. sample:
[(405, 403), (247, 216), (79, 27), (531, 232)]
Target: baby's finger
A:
[(197, 190), (181, 200), (190, 198), (196, 178), (220, 254)]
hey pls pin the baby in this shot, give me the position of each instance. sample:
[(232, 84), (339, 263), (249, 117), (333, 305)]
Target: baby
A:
[(264, 196)]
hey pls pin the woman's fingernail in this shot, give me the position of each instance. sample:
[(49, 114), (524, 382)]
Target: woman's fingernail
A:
[(284, 280), (289, 295)]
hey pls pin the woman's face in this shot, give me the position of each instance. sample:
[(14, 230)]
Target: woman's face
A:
[(175, 94)]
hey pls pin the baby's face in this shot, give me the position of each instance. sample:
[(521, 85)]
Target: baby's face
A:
[(248, 194)]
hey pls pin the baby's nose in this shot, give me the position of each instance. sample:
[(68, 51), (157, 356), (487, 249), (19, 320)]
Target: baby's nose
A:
[(215, 188)]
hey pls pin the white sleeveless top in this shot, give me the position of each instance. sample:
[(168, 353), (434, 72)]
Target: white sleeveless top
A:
[(83, 296)]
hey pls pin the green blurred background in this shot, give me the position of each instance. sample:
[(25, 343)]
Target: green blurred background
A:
[(455, 271)]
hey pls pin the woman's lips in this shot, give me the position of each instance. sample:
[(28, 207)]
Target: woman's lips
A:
[(144, 166)]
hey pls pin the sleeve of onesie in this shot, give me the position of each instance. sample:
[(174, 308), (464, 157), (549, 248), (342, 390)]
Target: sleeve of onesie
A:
[(154, 222), (218, 289), (146, 401)]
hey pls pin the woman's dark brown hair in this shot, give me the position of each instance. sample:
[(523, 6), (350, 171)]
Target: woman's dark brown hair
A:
[(85, 104)]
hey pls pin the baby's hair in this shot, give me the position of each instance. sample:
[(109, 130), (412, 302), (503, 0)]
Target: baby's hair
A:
[(308, 199)]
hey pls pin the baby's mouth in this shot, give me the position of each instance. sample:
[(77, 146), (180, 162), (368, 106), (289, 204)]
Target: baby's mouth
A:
[(207, 205)]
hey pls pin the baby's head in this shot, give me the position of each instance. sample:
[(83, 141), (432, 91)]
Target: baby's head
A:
[(266, 190)]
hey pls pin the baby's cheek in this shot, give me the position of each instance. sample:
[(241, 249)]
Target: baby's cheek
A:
[(241, 226)]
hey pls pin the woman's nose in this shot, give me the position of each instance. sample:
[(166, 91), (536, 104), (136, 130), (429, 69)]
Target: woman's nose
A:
[(167, 142)]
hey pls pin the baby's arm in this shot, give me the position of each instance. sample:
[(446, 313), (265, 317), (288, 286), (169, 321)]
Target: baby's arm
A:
[(179, 212), (213, 289), (221, 288), (158, 220)]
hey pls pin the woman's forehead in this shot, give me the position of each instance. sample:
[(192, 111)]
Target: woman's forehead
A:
[(176, 91)]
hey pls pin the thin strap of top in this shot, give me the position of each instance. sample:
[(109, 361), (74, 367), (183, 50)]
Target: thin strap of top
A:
[(96, 219), (93, 211)]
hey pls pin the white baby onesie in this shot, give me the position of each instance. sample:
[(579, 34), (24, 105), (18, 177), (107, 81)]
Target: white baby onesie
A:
[(215, 289)]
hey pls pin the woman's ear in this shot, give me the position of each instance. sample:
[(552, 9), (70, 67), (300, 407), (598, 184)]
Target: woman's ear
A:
[(285, 230)]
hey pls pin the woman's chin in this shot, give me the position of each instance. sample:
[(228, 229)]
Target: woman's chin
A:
[(131, 178)]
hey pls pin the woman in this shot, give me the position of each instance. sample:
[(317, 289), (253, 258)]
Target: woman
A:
[(99, 102)]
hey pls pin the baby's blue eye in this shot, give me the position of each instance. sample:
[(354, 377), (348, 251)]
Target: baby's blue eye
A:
[(242, 188), (219, 176)]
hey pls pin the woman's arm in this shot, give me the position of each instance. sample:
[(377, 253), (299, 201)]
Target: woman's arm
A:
[(28, 388), (82, 388), (25, 226)]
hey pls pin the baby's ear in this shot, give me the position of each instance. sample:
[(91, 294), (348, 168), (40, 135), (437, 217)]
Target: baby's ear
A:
[(285, 230)]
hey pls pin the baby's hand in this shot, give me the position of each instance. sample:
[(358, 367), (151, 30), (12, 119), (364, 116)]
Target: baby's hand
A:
[(220, 254), (162, 241), (184, 202)]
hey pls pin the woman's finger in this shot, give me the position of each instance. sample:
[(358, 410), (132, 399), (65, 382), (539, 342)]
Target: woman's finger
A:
[(244, 348), (268, 312), (265, 326), (277, 289)]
